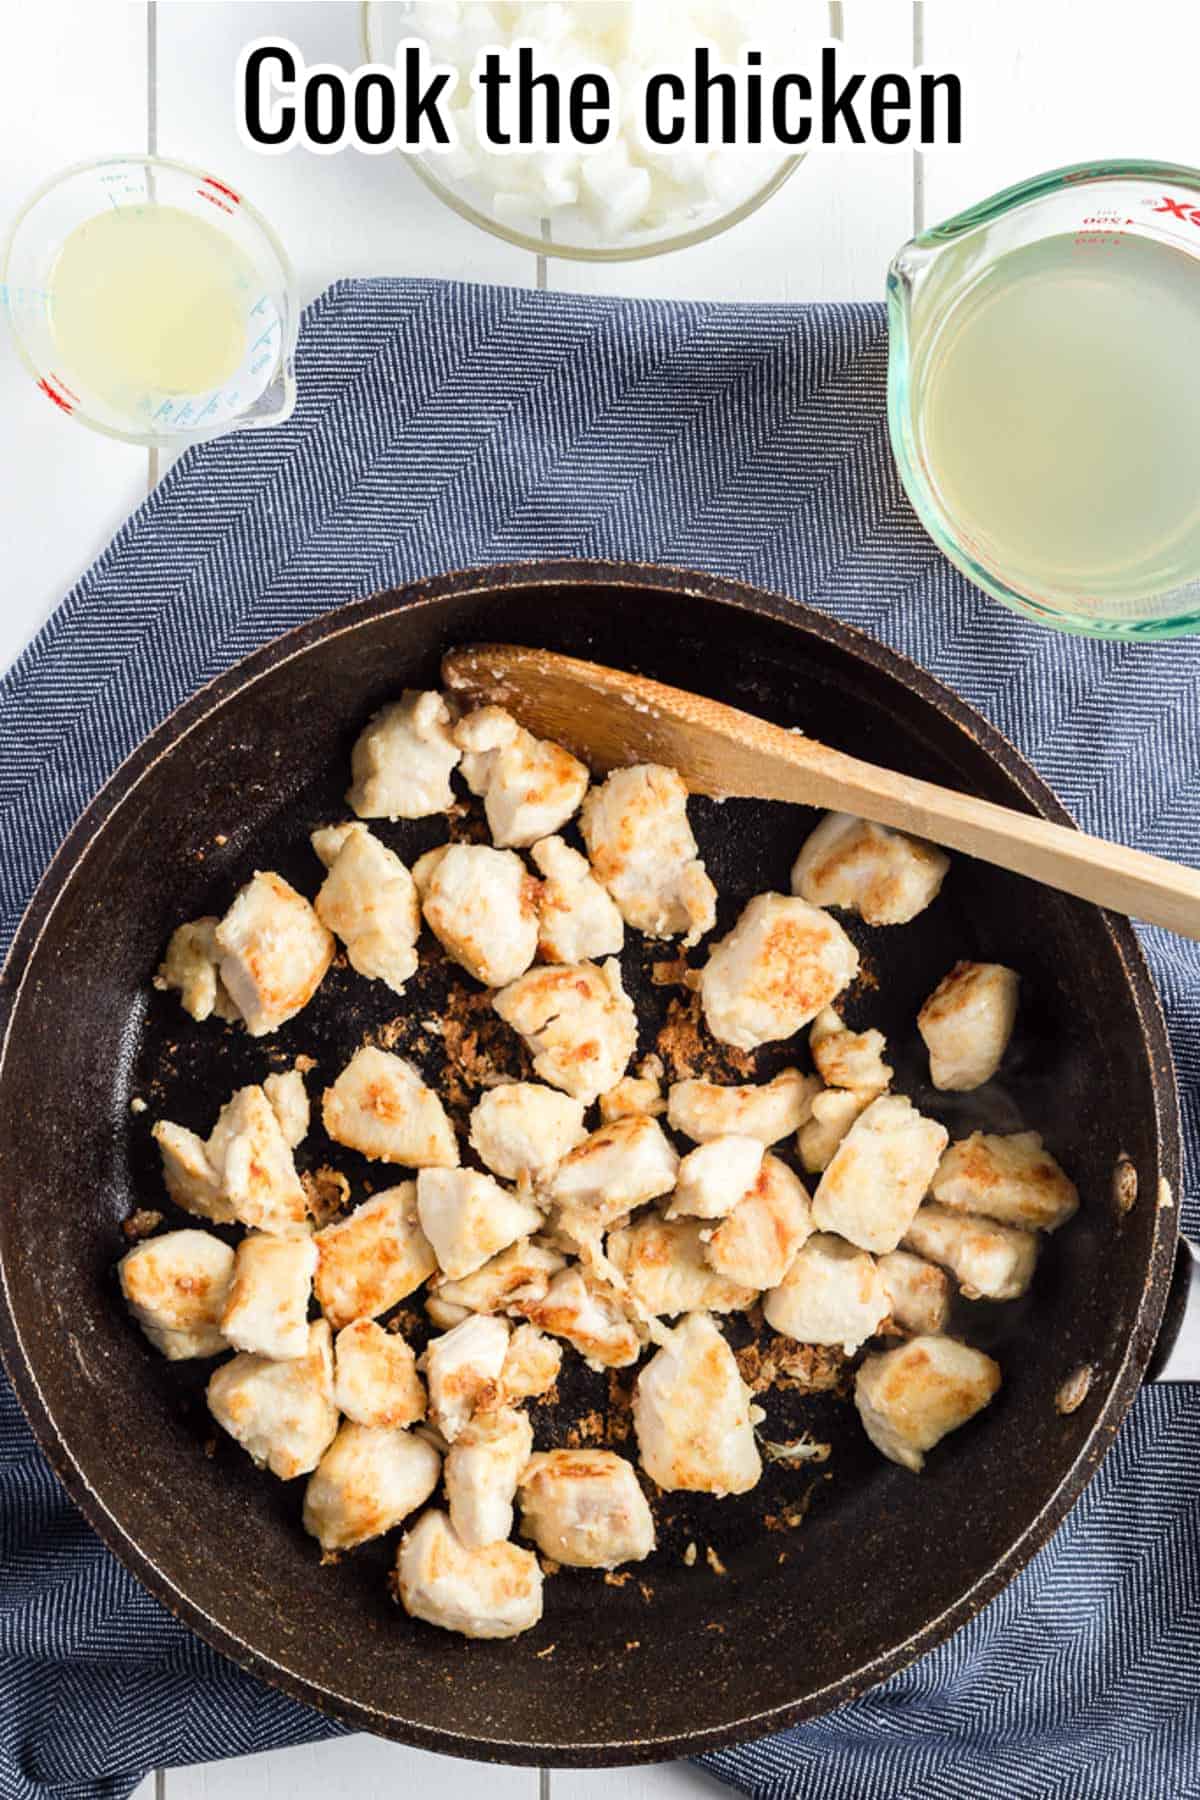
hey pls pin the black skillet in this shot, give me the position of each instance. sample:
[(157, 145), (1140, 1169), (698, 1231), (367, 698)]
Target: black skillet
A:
[(679, 1658)]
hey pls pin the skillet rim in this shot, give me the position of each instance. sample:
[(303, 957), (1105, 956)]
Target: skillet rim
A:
[(716, 590)]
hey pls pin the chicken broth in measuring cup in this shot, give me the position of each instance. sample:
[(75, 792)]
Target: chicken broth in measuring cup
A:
[(1058, 412), (1044, 395)]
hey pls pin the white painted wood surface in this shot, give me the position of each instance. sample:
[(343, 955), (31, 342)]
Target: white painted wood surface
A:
[(1045, 85)]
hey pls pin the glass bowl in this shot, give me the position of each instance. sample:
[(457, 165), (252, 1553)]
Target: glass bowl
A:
[(260, 391), (385, 22)]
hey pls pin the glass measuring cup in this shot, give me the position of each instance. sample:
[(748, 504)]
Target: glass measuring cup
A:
[(1075, 220), (260, 389)]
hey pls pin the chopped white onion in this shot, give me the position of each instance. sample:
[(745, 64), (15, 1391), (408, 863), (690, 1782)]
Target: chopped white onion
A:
[(624, 191)]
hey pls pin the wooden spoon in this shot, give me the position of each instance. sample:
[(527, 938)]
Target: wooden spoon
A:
[(613, 718)]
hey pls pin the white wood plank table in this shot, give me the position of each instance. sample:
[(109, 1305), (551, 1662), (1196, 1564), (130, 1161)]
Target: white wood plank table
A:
[(85, 76)]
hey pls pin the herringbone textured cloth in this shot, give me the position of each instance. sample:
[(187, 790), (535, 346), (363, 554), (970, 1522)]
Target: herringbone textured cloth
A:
[(440, 426)]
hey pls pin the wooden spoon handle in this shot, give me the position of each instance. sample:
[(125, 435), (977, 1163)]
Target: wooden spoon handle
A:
[(615, 718)]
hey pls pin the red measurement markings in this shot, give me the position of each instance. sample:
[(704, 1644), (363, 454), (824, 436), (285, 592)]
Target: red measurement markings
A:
[(212, 182), (214, 201), (1187, 210), (52, 395)]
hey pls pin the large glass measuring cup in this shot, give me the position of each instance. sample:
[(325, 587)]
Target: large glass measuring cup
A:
[(80, 256), (1044, 395)]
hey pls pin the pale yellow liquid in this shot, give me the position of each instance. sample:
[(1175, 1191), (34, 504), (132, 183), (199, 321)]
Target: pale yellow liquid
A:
[(150, 300), (1058, 414)]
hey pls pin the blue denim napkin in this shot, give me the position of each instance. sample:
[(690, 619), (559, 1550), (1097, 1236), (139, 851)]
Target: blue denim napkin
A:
[(443, 425)]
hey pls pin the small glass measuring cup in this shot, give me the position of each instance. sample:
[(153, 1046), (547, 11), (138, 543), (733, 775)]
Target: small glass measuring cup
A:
[(1099, 208), (261, 390)]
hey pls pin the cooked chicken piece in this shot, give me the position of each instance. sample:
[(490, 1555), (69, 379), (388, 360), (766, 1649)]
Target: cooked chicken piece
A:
[(175, 1287), (588, 1317), (288, 1098), (988, 1260), (967, 1022), (267, 1307), (919, 1292), (848, 1059), (663, 1264), (481, 904), (578, 919), (640, 844), (522, 1272), (831, 1294), (369, 900), (192, 966), (367, 1481), (910, 1397), (191, 1180), (586, 1509), (445, 1314), (691, 1412), (380, 1105), (495, 1592), (401, 764), (578, 1022), (531, 1365), (530, 787), (281, 1413), (755, 1245), (834, 1111), (704, 1109), (462, 1372), (468, 1217), (253, 1163), (783, 961), (375, 1377), (636, 1096), (879, 1174), (482, 1471), (881, 874), (521, 1129), (714, 1177), (274, 952), (1013, 1179), (369, 1262), (618, 1167)]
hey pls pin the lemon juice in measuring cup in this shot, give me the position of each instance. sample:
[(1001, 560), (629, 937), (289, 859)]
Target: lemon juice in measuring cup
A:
[(151, 302), (1044, 392)]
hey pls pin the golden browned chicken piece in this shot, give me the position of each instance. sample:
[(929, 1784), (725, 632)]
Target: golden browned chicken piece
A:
[(267, 1307), (640, 845), (281, 1413), (370, 1261), (175, 1286), (1012, 1179), (370, 1478), (691, 1411), (585, 1508), (909, 1398), (274, 952), (380, 1106), (495, 1592), (967, 1022), (401, 764), (375, 1377), (530, 787), (783, 961), (481, 904), (881, 874), (879, 1174)]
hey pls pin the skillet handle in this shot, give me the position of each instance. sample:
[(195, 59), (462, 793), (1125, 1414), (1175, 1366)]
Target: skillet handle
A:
[(1177, 1352)]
